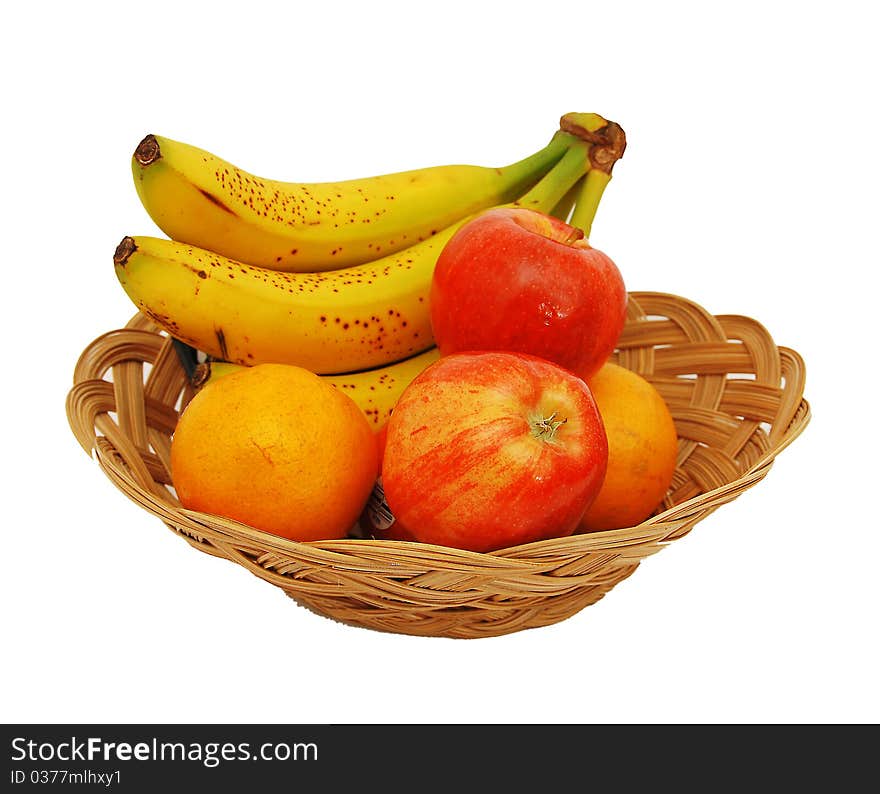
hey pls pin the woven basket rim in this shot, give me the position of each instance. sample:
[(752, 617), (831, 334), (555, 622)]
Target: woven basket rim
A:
[(655, 528)]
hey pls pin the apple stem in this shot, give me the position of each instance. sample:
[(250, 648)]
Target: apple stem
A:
[(545, 428)]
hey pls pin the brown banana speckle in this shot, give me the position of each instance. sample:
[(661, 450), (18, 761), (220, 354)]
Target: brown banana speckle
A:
[(221, 340), (391, 330), (214, 200)]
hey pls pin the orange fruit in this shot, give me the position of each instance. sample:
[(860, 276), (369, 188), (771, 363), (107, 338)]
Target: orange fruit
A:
[(275, 447), (642, 447)]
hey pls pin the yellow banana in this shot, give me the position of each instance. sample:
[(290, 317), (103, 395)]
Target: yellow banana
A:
[(197, 198), (375, 391), (342, 321)]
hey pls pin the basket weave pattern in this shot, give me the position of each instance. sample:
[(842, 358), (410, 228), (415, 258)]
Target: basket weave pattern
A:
[(736, 398)]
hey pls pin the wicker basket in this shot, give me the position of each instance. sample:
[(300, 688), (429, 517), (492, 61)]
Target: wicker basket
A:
[(737, 401)]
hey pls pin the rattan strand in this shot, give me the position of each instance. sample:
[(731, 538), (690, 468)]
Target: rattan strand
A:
[(736, 398)]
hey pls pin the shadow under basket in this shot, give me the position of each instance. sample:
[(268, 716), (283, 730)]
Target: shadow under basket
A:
[(736, 398)]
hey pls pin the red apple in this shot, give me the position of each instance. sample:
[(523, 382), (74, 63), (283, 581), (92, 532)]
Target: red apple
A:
[(519, 280), (488, 450)]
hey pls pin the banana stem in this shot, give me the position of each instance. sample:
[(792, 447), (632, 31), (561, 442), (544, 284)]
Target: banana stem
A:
[(547, 156), (563, 209), (552, 188), (609, 144), (209, 371), (585, 125), (587, 202)]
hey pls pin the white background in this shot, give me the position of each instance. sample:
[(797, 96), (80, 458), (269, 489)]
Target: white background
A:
[(750, 185)]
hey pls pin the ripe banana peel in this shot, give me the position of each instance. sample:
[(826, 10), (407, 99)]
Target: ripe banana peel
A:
[(198, 198), (340, 321), (375, 391)]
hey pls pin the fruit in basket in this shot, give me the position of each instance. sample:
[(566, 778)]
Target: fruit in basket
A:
[(377, 520), (519, 280), (340, 321), (374, 390), (198, 198), (642, 449), (488, 450), (277, 448)]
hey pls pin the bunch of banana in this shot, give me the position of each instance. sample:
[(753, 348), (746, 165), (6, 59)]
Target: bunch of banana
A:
[(368, 324), (198, 198)]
